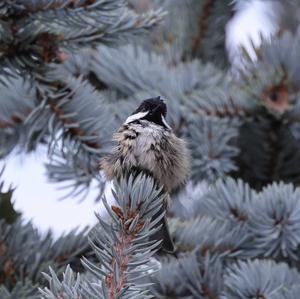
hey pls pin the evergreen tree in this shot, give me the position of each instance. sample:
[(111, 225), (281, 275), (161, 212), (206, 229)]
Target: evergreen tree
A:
[(71, 73)]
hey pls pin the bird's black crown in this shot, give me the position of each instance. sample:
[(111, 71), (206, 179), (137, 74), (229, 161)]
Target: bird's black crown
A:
[(156, 108)]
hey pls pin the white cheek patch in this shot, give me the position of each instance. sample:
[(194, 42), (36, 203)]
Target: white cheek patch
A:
[(136, 116), (165, 123)]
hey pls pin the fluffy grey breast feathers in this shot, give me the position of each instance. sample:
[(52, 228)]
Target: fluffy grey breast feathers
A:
[(145, 142)]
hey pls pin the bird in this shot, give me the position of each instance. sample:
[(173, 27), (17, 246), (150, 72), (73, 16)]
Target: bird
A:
[(146, 143)]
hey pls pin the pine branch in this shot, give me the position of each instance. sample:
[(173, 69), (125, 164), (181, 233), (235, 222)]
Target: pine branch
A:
[(198, 279), (278, 242), (16, 102), (230, 222), (258, 279), (42, 5), (67, 289), (213, 144), (202, 25), (290, 292), (68, 115), (166, 283), (222, 102), (189, 277), (204, 235), (20, 291), (40, 32), (234, 221), (80, 127), (126, 247), (213, 45), (63, 100), (135, 73), (230, 200), (199, 33), (121, 246), (16, 267)]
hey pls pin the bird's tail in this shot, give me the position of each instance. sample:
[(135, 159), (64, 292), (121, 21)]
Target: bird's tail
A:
[(163, 234)]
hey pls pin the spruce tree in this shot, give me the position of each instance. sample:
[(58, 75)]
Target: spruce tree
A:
[(72, 71)]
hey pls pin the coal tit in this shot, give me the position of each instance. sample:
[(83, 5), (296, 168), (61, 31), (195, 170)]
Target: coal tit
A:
[(145, 142)]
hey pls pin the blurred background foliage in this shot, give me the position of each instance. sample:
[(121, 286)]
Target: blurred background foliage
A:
[(72, 71)]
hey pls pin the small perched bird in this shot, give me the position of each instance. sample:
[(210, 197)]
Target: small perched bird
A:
[(145, 142)]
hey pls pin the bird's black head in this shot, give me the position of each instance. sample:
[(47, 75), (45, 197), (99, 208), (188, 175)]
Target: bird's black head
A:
[(154, 107), (153, 110)]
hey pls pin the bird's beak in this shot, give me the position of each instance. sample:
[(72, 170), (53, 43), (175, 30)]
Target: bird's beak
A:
[(161, 99)]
